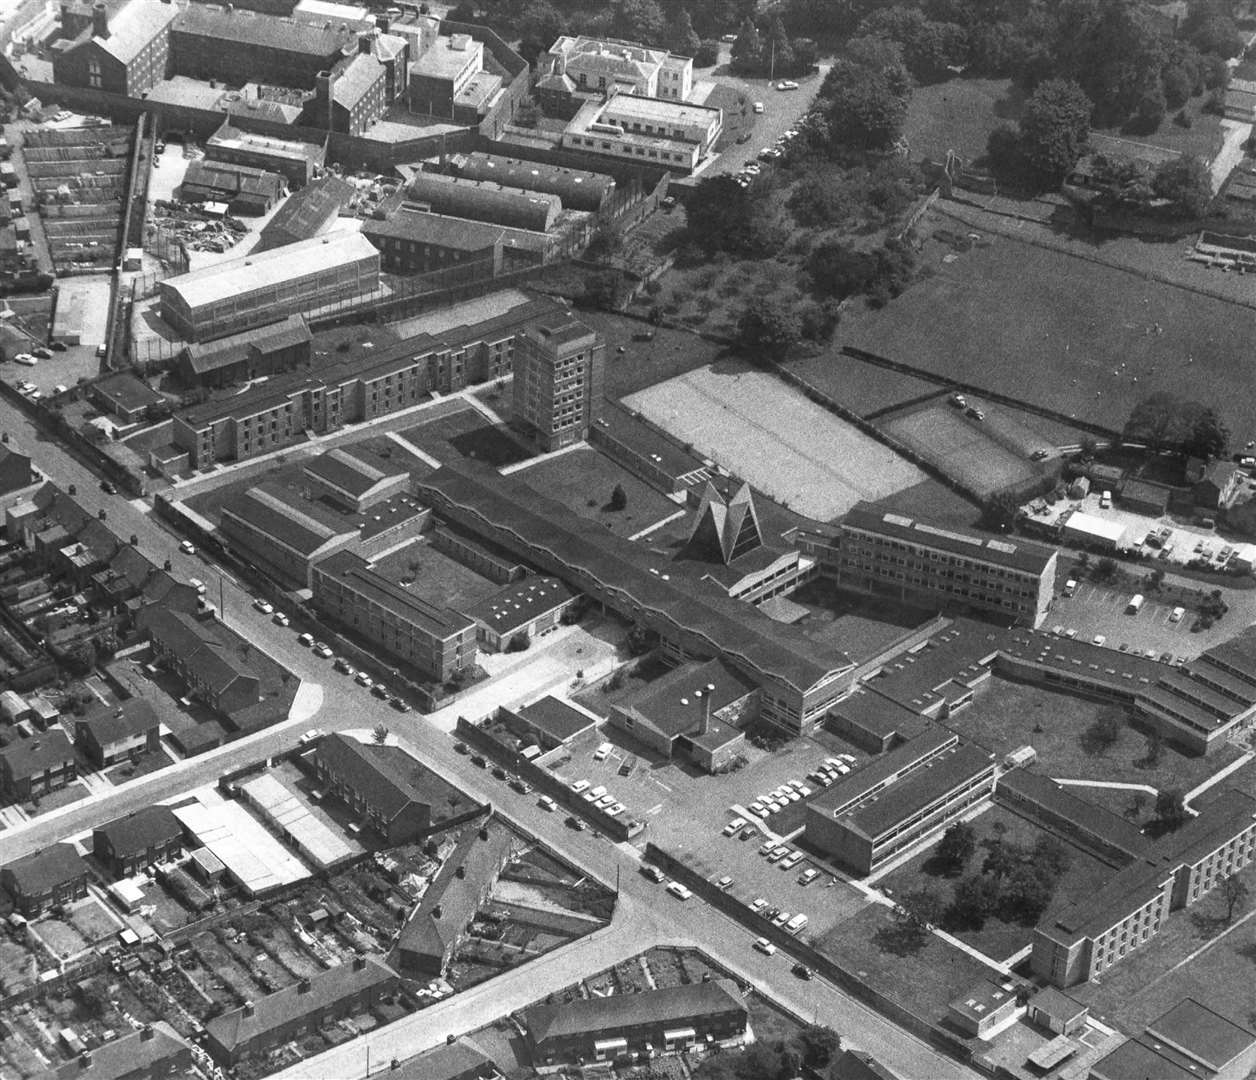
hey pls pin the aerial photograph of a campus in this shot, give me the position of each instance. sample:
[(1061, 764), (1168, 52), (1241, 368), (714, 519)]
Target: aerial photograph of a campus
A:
[(627, 540)]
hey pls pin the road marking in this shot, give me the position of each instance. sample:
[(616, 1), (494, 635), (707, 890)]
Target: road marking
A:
[(655, 809)]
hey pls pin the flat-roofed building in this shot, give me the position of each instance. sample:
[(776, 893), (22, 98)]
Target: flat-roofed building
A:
[(559, 374), (443, 72), (352, 482), (128, 397), (436, 640), (1080, 939), (798, 679), (296, 160), (696, 712), (1202, 704), (874, 723), (648, 131), (1092, 531), (665, 1021), (984, 1006), (1189, 1040), (889, 804), (549, 722), (123, 49), (578, 189), (890, 554), (282, 533), (523, 610), (643, 450), (254, 290), (290, 817)]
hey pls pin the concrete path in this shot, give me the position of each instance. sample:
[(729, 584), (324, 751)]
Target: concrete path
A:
[(406, 444), (1217, 777), (1115, 785)]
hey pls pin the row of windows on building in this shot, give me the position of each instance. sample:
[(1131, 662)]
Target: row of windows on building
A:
[(991, 592), (641, 151)]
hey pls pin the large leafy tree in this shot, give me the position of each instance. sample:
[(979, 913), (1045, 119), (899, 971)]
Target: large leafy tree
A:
[(768, 328), (865, 109), (957, 846), (641, 21), (1185, 181), (685, 38), (1054, 127)]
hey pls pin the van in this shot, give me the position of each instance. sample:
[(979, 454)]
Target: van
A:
[(1105, 501), (602, 752), (545, 803), (1135, 605), (1070, 587), (679, 891), (1176, 614), (796, 923)]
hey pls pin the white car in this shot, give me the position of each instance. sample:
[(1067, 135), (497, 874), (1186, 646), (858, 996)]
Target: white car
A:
[(264, 606), (280, 619), (725, 882), (579, 786), (1176, 614), (313, 735), (758, 107), (26, 359), (615, 809), (187, 547), (602, 752), (764, 946), (679, 891), (363, 679), (322, 649), (604, 801), (734, 825), (1099, 639), (787, 84), (758, 904)]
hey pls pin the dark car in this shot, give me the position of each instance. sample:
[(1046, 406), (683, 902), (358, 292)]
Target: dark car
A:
[(803, 972), (399, 705), (747, 833), (499, 772), (478, 759), (520, 786), (576, 823), (57, 346), (108, 487), (461, 748)]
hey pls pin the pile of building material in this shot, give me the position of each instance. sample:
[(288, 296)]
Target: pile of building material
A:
[(197, 227)]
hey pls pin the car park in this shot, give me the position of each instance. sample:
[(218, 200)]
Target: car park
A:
[(764, 946)]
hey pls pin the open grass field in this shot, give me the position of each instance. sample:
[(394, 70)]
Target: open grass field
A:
[(583, 479), (1008, 714), (960, 447), (863, 388), (644, 363), (769, 434), (924, 981), (996, 938), (958, 115), (932, 501), (470, 434), (1150, 981), (1086, 339)]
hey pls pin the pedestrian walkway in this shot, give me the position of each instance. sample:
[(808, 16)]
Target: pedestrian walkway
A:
[(1115, 785), (1216, 778)]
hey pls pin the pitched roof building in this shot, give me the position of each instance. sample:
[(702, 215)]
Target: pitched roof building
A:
[(50, 876), (140, 839), (155, 1052), (310, 212)]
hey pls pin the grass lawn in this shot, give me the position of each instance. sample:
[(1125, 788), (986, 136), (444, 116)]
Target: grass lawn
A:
[(859, 626), (932, 501), (468, 433), (583, 479), (862, 388), (1088, 340), (1005, 715), (1203, 138), (924, 981), (126, 771), (958, 115), (644, 363), (1148, 981), (996, 938)]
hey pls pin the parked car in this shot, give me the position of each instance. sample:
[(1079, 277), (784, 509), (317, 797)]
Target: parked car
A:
[(478, 759), (363, 679), (576, 823), (758, 107), (787, 84), (264, 606), (313, 735), (342, 665), (499, 772), (725, 882), (803, 972), (679, 891), (546, 803), (764, 946), (108, 487), (653, 873), (380, 691), (187, 547), (280, 619), (321, 649), (399, 704)]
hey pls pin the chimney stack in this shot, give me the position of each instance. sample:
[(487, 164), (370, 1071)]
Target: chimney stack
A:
[(303, 986), (248, 1009), (359, 962), (365, 40), (100, 20), (85, 1059), (146, 1032)]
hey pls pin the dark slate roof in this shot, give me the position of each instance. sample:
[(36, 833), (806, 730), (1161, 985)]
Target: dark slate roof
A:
[(1015, 555), (130, 718), (42, 871), (879, 715), (387, 776), (592, 1016), (556, 718), (249, 28), (350, 472), (849, 790), (282, 516), (462, 1058), (423, 227), (1093, 819), (578, 189), (128, 392), (131, 1055), (676, 703), (140, 831), (235, 1029), (1201, 1033), (519, 602), (357, 574), (222, 352), (306, 213), (26, 757)]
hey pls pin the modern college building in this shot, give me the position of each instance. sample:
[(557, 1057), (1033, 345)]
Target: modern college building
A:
[(892, 555), (874, 813), (559, 367), (799, 680)]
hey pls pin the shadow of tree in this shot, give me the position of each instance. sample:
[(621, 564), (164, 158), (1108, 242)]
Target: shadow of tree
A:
[(1208, 926), (901, 939)]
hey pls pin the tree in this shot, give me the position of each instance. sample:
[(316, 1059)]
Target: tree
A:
[(747, 48), (1105, 569), (1054, 127), (1104, 731), (1170, 809), (1234, 892), (1001, 857), (1137, 804), (921, 906), (1186, 182), (1162, 422), (518, 643), (684, 37), (819, 1045), (604, 289), (619, 498), (768, 327), (379, 734), (975, 898), (724, 216), (957, 846), (641, 21), (639, 641), (1026, 893), (865, 109), (778, 53), (707, 54), (1209, 437), (537, 27)]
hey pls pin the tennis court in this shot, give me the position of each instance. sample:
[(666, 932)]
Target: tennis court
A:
[(960, 449), (765, 432)]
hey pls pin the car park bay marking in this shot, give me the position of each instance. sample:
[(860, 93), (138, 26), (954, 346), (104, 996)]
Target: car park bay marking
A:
[(654, 809)]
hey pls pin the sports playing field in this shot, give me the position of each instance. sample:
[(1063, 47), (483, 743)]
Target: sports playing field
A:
[(960, 448), (769, 434)]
